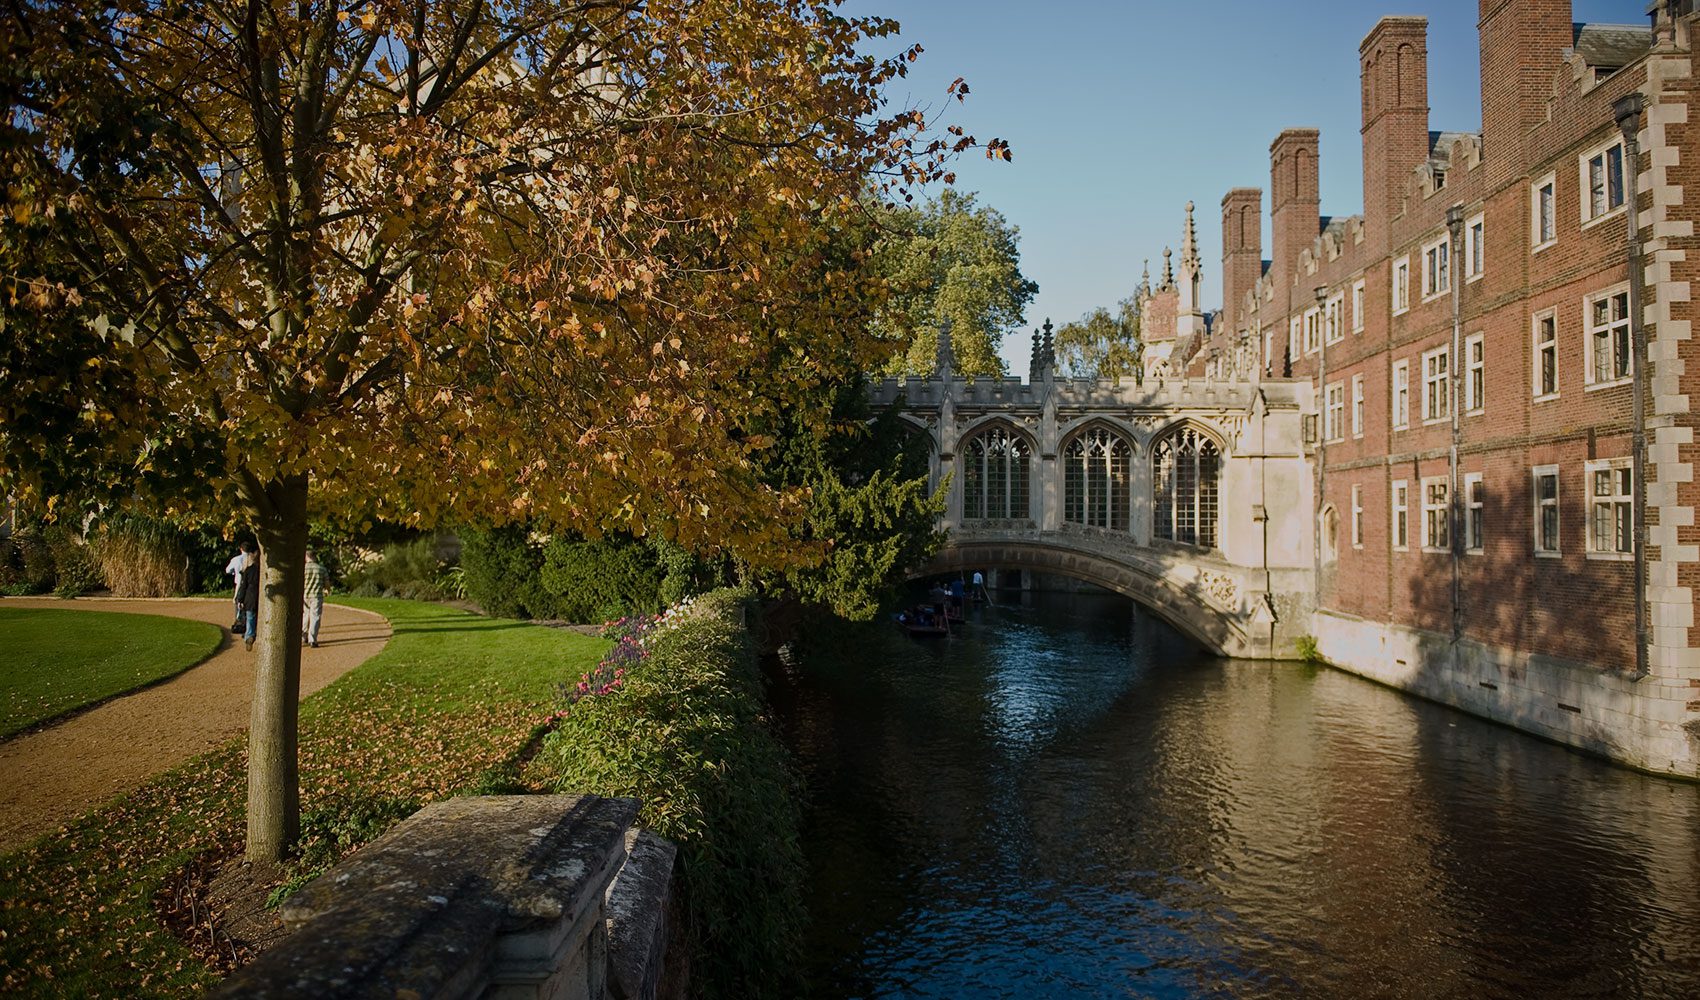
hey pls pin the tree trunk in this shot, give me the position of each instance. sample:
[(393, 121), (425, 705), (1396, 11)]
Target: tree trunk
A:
[(274, 804)]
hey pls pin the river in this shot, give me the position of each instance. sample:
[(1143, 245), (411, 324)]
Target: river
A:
[(1069, 801)]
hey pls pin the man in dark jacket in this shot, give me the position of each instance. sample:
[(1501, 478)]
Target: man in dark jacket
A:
[(248, 595)]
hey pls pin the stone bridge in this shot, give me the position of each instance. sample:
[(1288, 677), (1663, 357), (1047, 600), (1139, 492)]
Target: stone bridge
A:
[(1194, 498)]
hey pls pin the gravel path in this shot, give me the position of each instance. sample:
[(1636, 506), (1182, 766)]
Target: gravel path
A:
[(55, 775)]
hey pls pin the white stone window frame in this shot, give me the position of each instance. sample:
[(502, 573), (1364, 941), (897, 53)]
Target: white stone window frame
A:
[(1588, 331), (1536, 344), (1536, 474), (1435, 512), (1399, 497), (1475, 375), (1584, 164), (1400, 394), (1475, 529), (1619, 498), (1475, 235), (1312, 328), (1442, 379), (1437, 265), (1548, 182), (1295, 336), (1334, 318), (1401, 290), (1357, 516), (1358, 406), (1358, 306), (1334, 412)]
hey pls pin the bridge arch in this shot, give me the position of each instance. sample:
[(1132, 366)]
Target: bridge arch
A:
[(1189, 610)]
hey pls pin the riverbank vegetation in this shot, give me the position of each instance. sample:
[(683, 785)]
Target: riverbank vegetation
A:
[(56, 662), (685, 731)]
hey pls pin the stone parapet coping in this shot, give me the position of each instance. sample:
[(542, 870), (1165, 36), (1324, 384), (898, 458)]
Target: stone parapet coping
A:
[(471, 894)]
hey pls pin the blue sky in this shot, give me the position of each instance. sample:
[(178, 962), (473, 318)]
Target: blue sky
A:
[(1120, 112)]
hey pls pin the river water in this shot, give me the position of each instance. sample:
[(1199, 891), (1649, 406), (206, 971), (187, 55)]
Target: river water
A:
[(1068, 801)]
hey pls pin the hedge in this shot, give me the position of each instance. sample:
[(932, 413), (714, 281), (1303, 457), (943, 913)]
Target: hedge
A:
[(685, 732)]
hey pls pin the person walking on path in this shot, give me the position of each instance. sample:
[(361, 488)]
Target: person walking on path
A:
[(233, 569), (248, 594), (314, 591)]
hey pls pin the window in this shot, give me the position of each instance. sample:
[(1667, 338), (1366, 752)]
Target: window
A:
[(1436, 383), (1436, 516), (1610, 521), (1439, 179), (1313, 319), (995, 476), (1357, 516), (1294, 335), (1333, 319), (1358, 306), (1401, 286), (1437, 268), (1184, 468), (1475, 373), (1357, 406), (1475, 256), (1401, 394), (1096, 481), (1543, 223), (1330, 535), (1546, 355), (1401, 515), (1334, 413), (1473, 512), (1546, 510), (1602, 181), (1606, 317)]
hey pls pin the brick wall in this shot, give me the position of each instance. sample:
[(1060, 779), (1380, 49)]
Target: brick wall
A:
[(1573, 603)]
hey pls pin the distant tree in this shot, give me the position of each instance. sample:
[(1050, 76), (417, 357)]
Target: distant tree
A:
[(951, 259), (410, 259), (1101, 344)]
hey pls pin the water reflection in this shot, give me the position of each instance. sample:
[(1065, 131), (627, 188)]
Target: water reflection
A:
[(1065, 802)]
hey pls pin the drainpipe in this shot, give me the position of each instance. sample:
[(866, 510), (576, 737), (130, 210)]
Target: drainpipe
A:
[(1260, 513), (1628, 111), (1455, 508), (1321, 295)]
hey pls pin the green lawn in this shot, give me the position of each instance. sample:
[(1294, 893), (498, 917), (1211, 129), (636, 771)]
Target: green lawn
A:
[(57, 661), (446, 708)]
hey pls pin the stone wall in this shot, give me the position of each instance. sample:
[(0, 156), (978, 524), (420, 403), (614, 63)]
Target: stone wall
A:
[(1634, 722), (552, 897)]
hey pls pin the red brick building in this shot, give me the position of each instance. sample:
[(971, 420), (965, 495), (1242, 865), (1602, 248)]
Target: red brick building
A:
[(1475, 377)]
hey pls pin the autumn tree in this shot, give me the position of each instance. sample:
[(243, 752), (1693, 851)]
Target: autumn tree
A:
[(397, 258), (1101, 344), (951, 259)]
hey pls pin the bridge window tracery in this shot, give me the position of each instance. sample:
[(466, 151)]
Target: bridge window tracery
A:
[(1096, 480), (1186, 467), (995, 475)]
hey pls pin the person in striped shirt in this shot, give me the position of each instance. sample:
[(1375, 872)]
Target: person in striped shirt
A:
[(314, 591)]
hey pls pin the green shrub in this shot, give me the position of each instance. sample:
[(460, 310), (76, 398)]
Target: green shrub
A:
[(26, 564), (687, 736), (598, 581), (143, 557), (503, 573), (409, 570), (1307, 649)]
